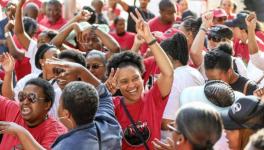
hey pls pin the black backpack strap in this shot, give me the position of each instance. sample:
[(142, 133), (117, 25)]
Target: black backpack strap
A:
[(139, 135), (98, 136)]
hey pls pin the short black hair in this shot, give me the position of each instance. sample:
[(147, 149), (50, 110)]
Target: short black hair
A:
[(193, 25), (54, 2), (73, 55), (30, 26), (117, 19), (217, 59), (165, 4), (92, 19), (177, 48), (125, 59), (225, 47), (50, 34), (41, 52), (47, 88), (81, 100)]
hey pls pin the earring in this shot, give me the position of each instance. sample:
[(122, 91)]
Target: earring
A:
[(178, 143)]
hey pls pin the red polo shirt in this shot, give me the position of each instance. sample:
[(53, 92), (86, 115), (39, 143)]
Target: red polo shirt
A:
[(125, 41), (156, 25), (45, 22)]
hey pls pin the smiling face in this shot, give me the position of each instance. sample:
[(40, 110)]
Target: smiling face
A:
[(53, 12), (130, 83), (34, 113)]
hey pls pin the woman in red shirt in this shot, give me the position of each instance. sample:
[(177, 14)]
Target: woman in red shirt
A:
[(139, 112)]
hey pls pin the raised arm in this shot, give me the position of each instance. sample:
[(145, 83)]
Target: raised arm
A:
[(196, 51), (165, 79), (24, 136), (69, 8), (124, 5), (8, 64), (251, 22), (22, 36), (10, 43), (138, 41)]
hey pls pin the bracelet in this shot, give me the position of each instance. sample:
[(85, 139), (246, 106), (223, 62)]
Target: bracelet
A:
[(7, 34), (152, 42), (203, 29)]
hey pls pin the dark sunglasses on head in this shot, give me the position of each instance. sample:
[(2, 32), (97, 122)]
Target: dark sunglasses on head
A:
[(214, 38), (131, 136), (32, 97), (94, 66)]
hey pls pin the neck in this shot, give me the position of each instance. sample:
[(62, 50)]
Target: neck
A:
[(143, 8), (162, 21), (36, 123), (234, 77), (177, 64)]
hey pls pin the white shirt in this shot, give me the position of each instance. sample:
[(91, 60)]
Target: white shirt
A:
[(184, 76), (30, 53), (21, 84), (258, 59), (255, 74)]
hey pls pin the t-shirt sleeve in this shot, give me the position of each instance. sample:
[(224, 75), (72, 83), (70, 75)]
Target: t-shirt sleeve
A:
[(32, 49), (252, 86), (7, 107), (155, 95)]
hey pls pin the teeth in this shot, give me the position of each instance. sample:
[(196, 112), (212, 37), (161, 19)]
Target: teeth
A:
[(133, 91), (25, 110)]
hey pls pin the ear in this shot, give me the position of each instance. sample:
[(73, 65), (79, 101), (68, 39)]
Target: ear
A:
[(41, 61), (181, 140), (47, 105)]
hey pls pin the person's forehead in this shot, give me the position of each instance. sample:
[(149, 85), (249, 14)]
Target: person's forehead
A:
[(32, 88)]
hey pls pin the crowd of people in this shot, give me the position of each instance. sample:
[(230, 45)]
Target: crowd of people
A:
[(96, 80)]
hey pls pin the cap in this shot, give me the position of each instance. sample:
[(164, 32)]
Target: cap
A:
[(197, 94), (218, 12), (243, 110), (220, 31), (239, 21)]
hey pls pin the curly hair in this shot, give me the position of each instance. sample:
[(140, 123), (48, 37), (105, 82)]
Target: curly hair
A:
[(125, 59)]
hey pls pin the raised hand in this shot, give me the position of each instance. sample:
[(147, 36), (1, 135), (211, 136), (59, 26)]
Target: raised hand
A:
[(111, 82), (83, 15), (251, 21), (7, 62), (207, 20), (159, 145), (142, 27)]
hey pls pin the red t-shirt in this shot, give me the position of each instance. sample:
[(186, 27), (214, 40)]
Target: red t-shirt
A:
[(45, 133), (22, 67), (149, 110), (126, 41), (260, 35), (241, 49), (151, 68), (45, 22), (156, 25)]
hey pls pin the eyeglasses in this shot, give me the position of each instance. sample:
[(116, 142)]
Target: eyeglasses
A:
[(94, 66), (32, 97), (131, 137), (173, 128)]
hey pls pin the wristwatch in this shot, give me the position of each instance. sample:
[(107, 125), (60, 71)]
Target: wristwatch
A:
[(7, 34)]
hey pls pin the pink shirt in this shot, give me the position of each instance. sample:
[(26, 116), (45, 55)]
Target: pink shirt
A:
[(45, 22), (156, 25), (45, 133), (126, 41), (149, 110)]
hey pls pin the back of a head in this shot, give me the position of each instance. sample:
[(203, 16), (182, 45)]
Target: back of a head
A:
[(73, 56), (225, 47), (177, 48), (200, 124), (216, 59), (192, 24), (81, 100), (125, 59), (219, 93), (165, 4), (30, 26)]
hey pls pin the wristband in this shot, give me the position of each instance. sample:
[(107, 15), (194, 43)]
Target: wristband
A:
[(203, 29), (7, 34), (152, 42)]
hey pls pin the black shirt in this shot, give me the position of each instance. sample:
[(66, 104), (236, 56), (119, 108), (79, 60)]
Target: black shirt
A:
[(130, 22), (240, 84)]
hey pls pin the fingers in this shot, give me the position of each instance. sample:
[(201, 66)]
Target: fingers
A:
[(133, 17), (139, 15), (158, 145)]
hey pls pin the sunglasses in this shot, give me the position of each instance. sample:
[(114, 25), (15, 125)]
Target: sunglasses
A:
[(214, 38), (131, 136), (32, 97), (94, 66)]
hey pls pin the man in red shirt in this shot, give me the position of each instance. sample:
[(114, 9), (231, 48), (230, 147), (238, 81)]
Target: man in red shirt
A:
[(31, 112), (123, 37), (239, 27), (166, 18), (53, 19)]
